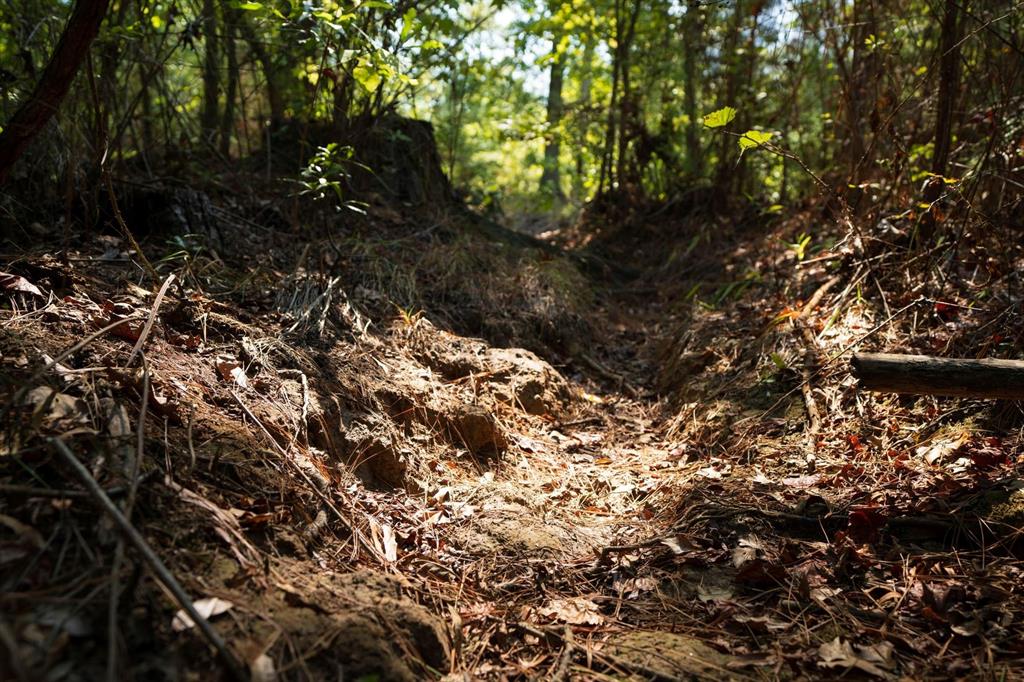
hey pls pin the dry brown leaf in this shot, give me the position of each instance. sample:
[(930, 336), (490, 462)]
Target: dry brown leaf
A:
[(937, 451), (574, 611), (19, 285), (54, 406), (230, 369), (262, 669), (839, 653), (390, 543)]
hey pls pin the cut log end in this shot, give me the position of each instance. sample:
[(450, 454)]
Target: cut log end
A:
[(926, 375)]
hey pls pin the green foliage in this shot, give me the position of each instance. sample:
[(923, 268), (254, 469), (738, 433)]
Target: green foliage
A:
[(326, 173), (640, 83), (752, 139), (799, 247), (721, 117)]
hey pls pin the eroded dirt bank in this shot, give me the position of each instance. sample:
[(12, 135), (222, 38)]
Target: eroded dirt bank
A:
[(418, 451)]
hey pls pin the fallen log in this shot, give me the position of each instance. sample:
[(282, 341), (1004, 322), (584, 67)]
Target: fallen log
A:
[(925, 375)]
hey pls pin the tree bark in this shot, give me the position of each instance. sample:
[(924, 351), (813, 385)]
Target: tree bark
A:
[(227, 120), (583, 107), (730, 65), (36, 112), (550, 179), (949, 83), (691, 39), (211, 73), (925, 375)]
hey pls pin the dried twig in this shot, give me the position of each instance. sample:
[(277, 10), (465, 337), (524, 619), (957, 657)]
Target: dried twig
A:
[(159, 569), (565, 660), (149, 323), (312, 485)]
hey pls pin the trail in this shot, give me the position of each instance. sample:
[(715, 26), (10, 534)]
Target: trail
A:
[(594, 497), (355, 488)]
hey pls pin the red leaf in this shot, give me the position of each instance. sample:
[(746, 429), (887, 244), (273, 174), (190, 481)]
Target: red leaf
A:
[(864, 524), (946, 311)]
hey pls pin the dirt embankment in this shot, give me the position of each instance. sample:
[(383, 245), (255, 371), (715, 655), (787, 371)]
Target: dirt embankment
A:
[(343, 449)]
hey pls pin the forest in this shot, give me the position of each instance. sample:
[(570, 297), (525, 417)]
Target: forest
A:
[(372, 340)]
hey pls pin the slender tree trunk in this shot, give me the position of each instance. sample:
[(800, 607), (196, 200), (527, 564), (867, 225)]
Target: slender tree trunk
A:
[(146, 105), (610, 131), (228, 118), (583, 106), (730, 60), (550, 179), (691, 39), (40, 107), (211, 73), (949, 84), (629, 114), (275, 100)]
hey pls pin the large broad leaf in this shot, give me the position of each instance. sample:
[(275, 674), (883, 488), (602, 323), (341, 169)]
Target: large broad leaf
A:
[(753, 139), (717, 119)]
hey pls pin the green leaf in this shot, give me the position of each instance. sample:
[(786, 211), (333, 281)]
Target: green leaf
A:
[(251, 6), (717, 119), (367, 76), (753, 139), (408, 22), (432, 45)]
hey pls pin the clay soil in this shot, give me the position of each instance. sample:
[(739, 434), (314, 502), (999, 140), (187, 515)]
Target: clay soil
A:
[(413, 449)]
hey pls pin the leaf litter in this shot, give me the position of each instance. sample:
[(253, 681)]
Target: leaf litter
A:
[(445, 505)]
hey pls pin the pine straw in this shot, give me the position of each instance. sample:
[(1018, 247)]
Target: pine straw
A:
[(706, 521)]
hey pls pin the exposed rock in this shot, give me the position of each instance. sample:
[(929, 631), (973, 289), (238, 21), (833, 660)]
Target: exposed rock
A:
[(374, 631), (513, 374), (670, 655), (478, 430)]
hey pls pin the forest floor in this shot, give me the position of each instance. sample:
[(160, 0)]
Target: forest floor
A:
[(419, 449)]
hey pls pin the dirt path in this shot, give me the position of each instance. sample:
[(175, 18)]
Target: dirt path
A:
[(354, 491)]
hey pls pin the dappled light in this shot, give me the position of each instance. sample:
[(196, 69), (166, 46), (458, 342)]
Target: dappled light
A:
[(506, 340)]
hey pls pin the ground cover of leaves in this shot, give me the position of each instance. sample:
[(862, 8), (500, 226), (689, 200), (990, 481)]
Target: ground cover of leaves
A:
[(678, 480)]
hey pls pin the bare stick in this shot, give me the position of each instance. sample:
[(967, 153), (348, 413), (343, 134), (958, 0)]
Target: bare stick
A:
[(565, 660), (159, 570), (152, 318)]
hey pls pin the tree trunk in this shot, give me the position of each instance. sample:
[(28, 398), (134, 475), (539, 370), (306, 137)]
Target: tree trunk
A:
[(608, 154), (691, 39), (629, 108), (37, 110), (949, 84), (550, 179), (924, 375), (275, 100), (211, 73), (730, 61), (228, 118), (583, 107)]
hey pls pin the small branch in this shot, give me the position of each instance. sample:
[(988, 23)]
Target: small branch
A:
[(149, 323), (133, 536), (565, 660), (618, 549)]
